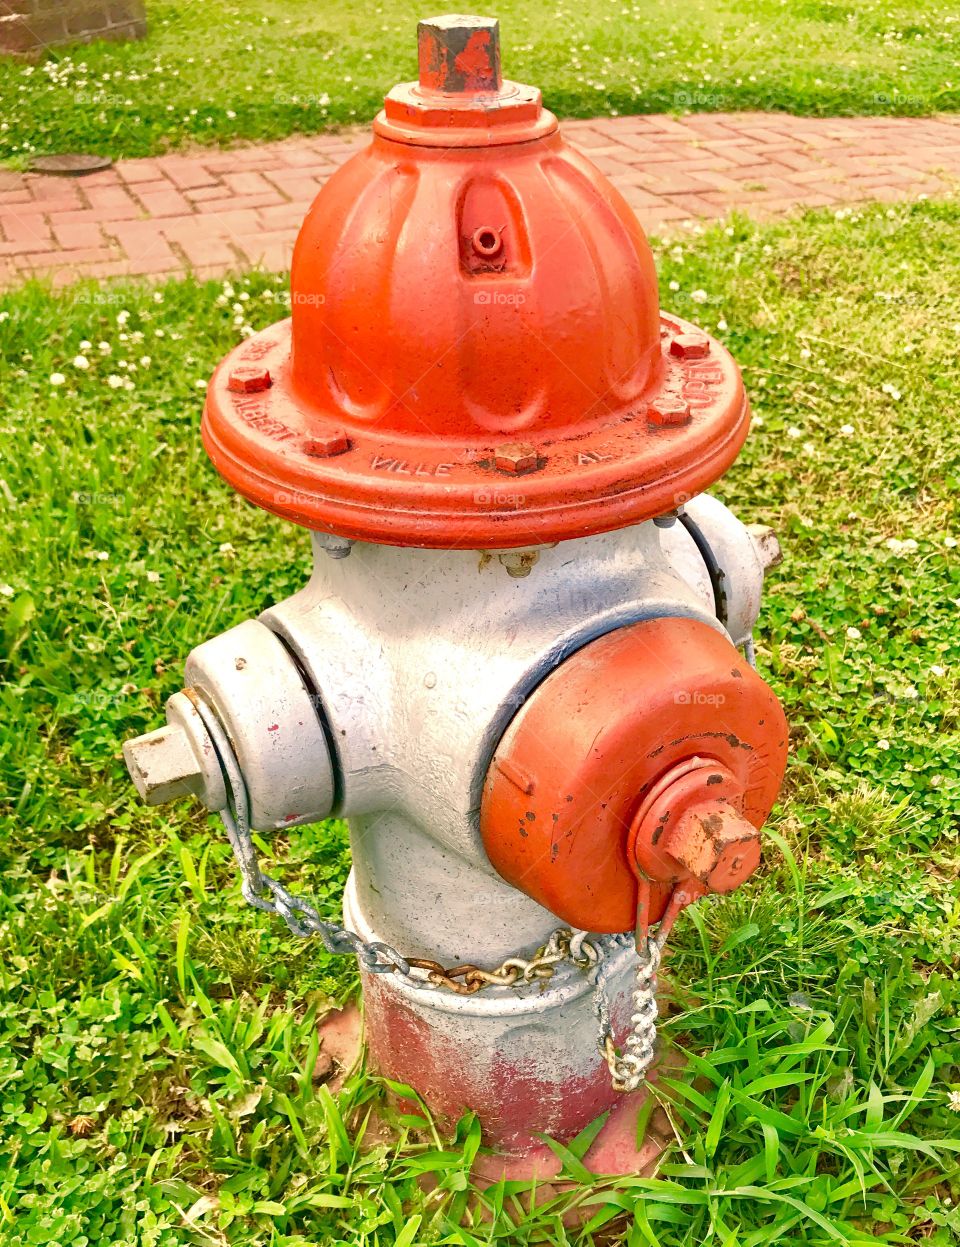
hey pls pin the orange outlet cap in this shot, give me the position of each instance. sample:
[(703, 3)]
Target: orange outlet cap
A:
[(654, 753)]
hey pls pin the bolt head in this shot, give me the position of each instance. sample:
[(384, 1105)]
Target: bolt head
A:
[(249, 379), (690, 346), (162, 765), (323, 445), (459, 54), (668, 411), (515, 457), (715, 844)]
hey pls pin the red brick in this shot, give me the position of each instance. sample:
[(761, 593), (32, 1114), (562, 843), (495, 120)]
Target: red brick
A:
[(161, 203), (29, 230), (145, 170), (113, 203), (74, 236)]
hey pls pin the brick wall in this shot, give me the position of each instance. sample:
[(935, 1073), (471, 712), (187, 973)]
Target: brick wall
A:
[(29, 26)]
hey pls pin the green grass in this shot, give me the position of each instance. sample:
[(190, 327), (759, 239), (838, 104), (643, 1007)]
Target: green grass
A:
[(217, 72), (157, 1037)]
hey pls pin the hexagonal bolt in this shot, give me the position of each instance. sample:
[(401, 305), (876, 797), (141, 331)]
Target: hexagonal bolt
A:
[(324, 445), (515, 457), (459, 55), (336, 547), (177, 760), (690, 346), (519, 563), (715, 844), (249, 379), (668, 411)]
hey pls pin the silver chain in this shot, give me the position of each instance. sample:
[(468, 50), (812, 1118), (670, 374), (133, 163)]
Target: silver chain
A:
[(627, 1069)]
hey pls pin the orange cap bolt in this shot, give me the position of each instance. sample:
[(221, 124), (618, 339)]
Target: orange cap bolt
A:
[(249, 380), (690, 346), (667, 410), (715, 844), (326, 444), (459, 55), (517, 457)]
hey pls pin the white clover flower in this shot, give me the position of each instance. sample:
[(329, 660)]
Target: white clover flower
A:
[(805, 352), (81, 362), (883, 744), (153, 577), (674, 285), (7, 591), (889, 388), (85, 345), (114, 381), (847, 430), (721, 325), (200, 383), (226, 548), (853, 634), (950, 542), (144, 361), (104, 348), (698, 296), (794, 432), (954, 1101), (57, 378), (122, 317), (938, 671)]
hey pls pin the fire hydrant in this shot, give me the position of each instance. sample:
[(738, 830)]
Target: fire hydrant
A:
[(522, 668)]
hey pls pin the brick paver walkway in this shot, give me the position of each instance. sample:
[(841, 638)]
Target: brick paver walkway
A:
[(217, 210)]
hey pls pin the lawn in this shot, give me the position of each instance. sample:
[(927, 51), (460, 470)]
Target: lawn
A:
[(157, 1037), (218, 72)]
